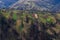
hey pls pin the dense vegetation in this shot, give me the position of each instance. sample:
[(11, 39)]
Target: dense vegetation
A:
[(22, 25)]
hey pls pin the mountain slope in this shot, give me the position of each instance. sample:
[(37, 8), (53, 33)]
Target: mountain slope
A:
[(42, 5), (7, 3), (2, 4)]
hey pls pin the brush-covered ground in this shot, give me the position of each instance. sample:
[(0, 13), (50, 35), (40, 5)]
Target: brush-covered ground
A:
[(22, 25)]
